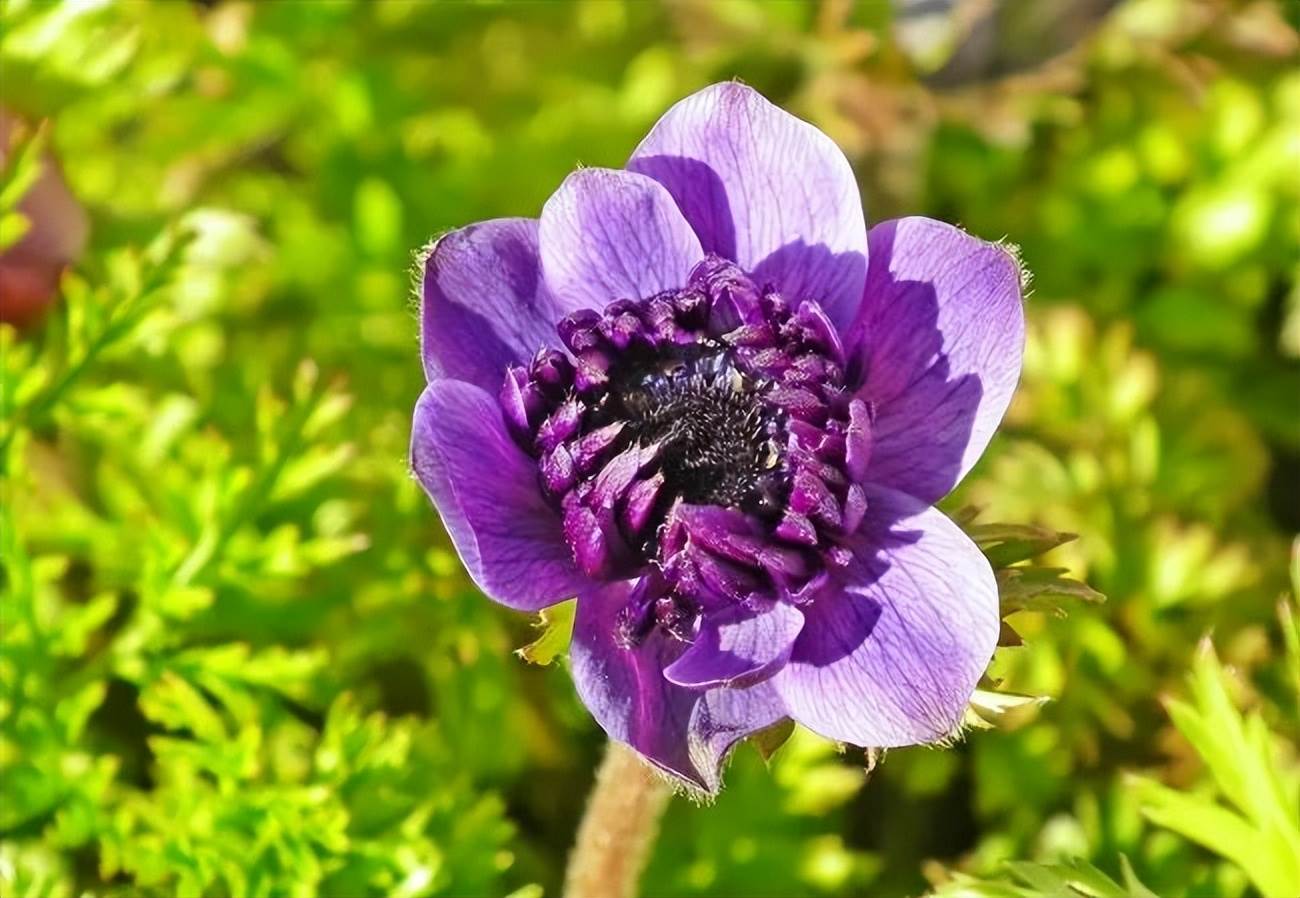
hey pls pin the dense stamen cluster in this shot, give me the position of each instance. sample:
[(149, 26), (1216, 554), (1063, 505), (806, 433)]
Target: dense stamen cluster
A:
[(701, 437), (718, 438)]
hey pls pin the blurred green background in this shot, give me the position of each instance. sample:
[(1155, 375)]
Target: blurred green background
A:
[(238, 656)]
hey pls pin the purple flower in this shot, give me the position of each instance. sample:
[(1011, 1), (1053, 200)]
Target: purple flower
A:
[(698, 395)]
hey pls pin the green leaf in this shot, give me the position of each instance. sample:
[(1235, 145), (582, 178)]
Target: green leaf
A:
[(13, 225), (1290, 621), (556, 624), (1262, 834), (1076, 877), (988, 709), (1007, 544), (78, 623), (1203, 821), (1042, 589), (1132, 885), (177, 705), (1295, 568), (22, 171), (1073, 878), (74, 710), (769, 740)]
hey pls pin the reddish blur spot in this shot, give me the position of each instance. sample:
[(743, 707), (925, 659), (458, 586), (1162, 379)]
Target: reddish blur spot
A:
[(56, 235)]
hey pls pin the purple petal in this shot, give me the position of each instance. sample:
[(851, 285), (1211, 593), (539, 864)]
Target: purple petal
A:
[(486, 492), (797, 528), (641, 500), (485, 305), (857, 444), (939, 341), (722, 718), (589, 540), (685, 732), (766, 189), (608, 235), (892, 655), (738, 646)]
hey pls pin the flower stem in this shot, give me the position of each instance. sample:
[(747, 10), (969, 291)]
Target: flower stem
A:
[(619, 828)]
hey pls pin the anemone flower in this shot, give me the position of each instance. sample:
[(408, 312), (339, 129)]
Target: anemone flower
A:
[(700, 397)]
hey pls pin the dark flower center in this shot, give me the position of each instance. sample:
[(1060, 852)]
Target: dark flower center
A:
[(718, 439), (702, 440)]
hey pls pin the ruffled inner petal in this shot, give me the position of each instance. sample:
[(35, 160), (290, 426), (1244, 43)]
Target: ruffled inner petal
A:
[(738, 646)]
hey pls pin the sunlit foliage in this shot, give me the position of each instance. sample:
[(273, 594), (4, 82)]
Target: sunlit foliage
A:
[(237, 655)]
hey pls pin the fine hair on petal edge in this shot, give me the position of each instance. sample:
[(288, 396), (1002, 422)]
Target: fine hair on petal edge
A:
[(1026, 276), (953, 739), (419, 260)]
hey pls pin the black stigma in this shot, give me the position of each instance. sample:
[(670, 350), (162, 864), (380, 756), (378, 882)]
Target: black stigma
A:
[(717, 437)]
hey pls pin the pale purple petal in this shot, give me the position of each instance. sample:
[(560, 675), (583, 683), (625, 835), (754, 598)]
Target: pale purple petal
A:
[(722, 718), (938, 341), (686, 732), (892, 657), (765, 189), (485, 305), (486, 492), (608, 235), (738, 646)]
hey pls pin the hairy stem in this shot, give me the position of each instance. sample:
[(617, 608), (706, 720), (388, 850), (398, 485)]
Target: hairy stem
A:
[(619, 828)]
